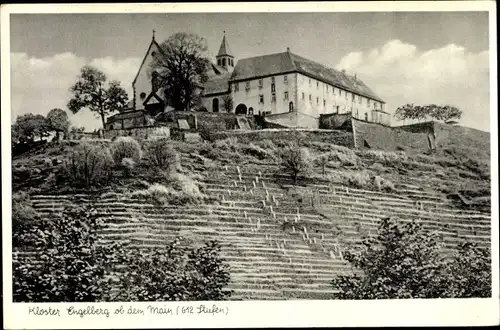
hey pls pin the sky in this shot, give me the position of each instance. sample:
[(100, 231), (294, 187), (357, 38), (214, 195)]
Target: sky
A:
[(404, 57)]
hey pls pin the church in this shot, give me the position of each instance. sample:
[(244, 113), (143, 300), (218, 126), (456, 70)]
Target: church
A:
[(287, 89)]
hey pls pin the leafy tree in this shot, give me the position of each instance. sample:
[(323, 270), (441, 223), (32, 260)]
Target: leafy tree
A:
[(58, 121), (444, 113), (161, 154), (126, 147), (176, 272), (182, 69), (227, 103), (70, 267), (295, 160), (29, 127), (90, 92), (405, 262)]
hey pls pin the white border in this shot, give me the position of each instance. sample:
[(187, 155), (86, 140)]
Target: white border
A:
[(260, 313)]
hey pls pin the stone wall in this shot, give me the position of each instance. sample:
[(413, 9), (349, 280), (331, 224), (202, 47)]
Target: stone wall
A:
[(343, 138), (139, 133)]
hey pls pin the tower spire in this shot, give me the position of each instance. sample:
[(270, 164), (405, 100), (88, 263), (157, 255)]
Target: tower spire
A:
[(154, 34)]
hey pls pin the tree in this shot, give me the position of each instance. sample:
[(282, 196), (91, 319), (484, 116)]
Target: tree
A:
[(70, 267), (405, 262), (58, 121), (90, 92), (29, 127), (227, 103), (175, 272), (182, 69), (444, 113), (295, 160)]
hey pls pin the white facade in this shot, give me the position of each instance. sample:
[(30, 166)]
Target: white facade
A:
[(142, 85)]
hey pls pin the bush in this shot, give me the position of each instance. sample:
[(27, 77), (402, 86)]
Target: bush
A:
[(378, 167), (128, 165), (126, 147), (360, 179), (404, 262), (257, 152), (383, 184), (23, 216), (389, 158), (295, 160), (88, 165), (69, 266), (181, 189), (161, 153), (176, 272)]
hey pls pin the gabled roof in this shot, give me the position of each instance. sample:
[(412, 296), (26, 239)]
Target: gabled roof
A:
[(217, 84), (224, 48), (280, 63), (153, 42)]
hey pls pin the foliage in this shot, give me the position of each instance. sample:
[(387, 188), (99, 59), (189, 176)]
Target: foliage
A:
[(176, 272), (161, 153), (383, 184), (88, 165), (58, 121), (70, 266), (29, 127), (23, 216), (444, 113), (126, 147), (404, 261), (182, 69), (227, 103), (180, 189), (389, 158), (128, 165), (295, 160), (90, 92)]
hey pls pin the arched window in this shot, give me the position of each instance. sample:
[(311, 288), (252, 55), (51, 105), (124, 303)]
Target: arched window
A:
[(215, 105), (223, 62), (366, 116), (290, 106), (250, 111)]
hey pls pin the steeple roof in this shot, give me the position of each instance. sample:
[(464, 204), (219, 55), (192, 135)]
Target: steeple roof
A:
[(224, 48)]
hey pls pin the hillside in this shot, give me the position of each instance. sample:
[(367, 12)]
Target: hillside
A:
[(282, 241)]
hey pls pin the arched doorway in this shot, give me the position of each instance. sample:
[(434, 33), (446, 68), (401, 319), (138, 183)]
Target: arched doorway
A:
[(215, 105), (290, 106), (241, 109)]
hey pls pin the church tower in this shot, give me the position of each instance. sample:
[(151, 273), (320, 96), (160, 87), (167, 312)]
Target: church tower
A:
[(224, 57)]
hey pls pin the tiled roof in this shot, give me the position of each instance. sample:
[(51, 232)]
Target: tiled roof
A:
[(217, 84), (288, 62)]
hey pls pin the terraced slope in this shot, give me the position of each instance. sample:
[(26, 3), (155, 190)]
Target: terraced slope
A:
[(282, 242)]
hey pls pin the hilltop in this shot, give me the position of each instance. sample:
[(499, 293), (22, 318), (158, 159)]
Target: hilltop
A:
[(282, 239)]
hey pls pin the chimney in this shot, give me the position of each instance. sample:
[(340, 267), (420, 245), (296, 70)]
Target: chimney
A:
[(288, 49)]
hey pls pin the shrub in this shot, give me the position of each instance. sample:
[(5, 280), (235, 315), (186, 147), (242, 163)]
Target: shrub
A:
[(378, 167), (383, 184), (175, 272), (403, 261), (23, 216), (88, 165), (257, 152), (69, 267), (126, 147), (359, 179), (128, 165), (386, 157), (267, 144), (181, 189), (295, 160), (227, 144), (161, 153)]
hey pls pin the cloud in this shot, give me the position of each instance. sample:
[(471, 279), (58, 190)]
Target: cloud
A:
[(400, 73), (41, 84)]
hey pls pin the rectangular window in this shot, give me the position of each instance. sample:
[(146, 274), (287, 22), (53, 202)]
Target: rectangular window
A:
[(324, 103), (309, 82), (272, 80), (333, 91), (247, 85), (261, 99), (236, 87), (273, 97), (286, 95), (340, 92), (346, 95), (285, 79), (303, 95), (353, 97), (317, 84), (273, 88), (317, 100), (310, 98), (261, 83)]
